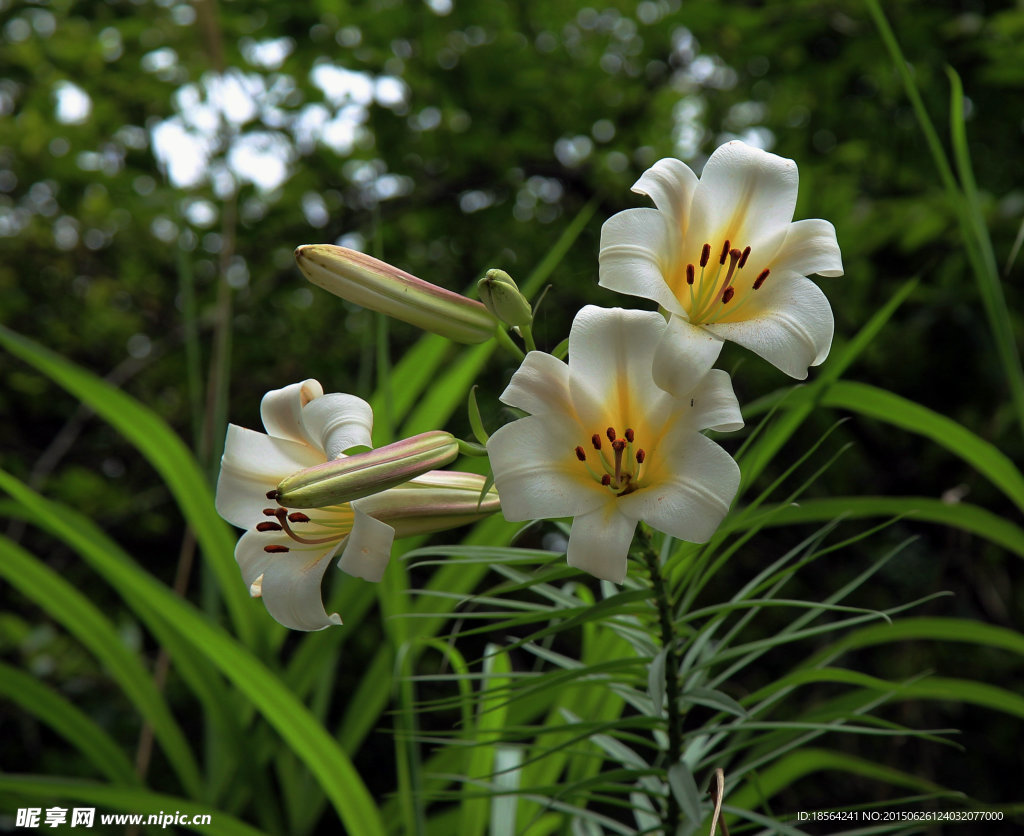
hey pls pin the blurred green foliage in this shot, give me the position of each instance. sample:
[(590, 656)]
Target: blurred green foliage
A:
[(453, 136)]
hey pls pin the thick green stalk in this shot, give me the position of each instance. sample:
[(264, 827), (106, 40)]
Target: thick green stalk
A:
[(668, 640)]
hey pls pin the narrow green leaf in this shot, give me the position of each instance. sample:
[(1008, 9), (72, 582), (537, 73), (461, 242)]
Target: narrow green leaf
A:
[(684, 788), (80, 617), (168, 455), (476, 423), (80, 730), (893, 409)]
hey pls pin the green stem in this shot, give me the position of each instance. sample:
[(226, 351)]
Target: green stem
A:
[(668, 641)]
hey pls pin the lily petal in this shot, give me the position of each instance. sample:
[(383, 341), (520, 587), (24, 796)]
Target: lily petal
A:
[(281, 409), (745, 194), (810, 247), (290, 580), (536, 473), (791, 329), (609, 363), (714, 404), (252, 464), (336, 422), (540, 385), (368, 549), (636, 248), (701, 482), (670, 184), (683, 356), (599, 543)]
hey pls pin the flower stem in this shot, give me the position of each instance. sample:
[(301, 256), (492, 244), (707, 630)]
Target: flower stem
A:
[(668, 641)]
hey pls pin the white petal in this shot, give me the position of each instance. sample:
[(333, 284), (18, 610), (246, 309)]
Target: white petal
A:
[(599, 542), (670, 184), (611, 351), (637, 248), (252, 464), (746, 195), (683, 357), (700, 482), (791, 327), (336, 422), (540, 385), (537, 473), (290, 582), (810, 247), (281, 409), (368, 548), (714, 404)]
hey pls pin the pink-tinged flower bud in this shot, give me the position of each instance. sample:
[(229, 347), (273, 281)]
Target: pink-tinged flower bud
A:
[(353, 477), (435, 501), (379, 286)]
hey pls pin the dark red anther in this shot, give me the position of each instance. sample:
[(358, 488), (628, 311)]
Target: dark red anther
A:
[(595, 439), (640, 456), (268, 526), (273, 548), (689, 274), (760, 279), (606, 480), (725, 252), (619, 445), (610, 432), (630, 435), (269, 512), (729, 293), (744, 257), (581, 454), (705, 254), (271, 494), (297, 516)]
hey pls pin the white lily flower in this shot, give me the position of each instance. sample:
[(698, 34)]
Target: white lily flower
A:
[(724, 257), (284, 553), (605, 445)]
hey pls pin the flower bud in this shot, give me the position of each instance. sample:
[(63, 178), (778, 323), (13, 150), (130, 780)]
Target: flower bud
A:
[(435, 501), (502, 297), (352, 477), (379, 286)]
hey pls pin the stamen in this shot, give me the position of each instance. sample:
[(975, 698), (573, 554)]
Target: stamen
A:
[(705, 254), (761, 278), (610, 432), (274, 548), (729, 293), (725, 252), (630, 435), (689, 274), (581, 454), (282, 517), (268, 526), (269, 512), (297, 516), (272, 494), (595, 439), (606, 480), (744, 257), (640, 456)]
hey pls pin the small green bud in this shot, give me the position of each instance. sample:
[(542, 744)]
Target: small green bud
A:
[(501, 296)]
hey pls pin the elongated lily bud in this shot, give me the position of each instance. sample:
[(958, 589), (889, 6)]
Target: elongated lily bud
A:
[(436, 501), (381, 287), (502, 297), (352, 477)]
